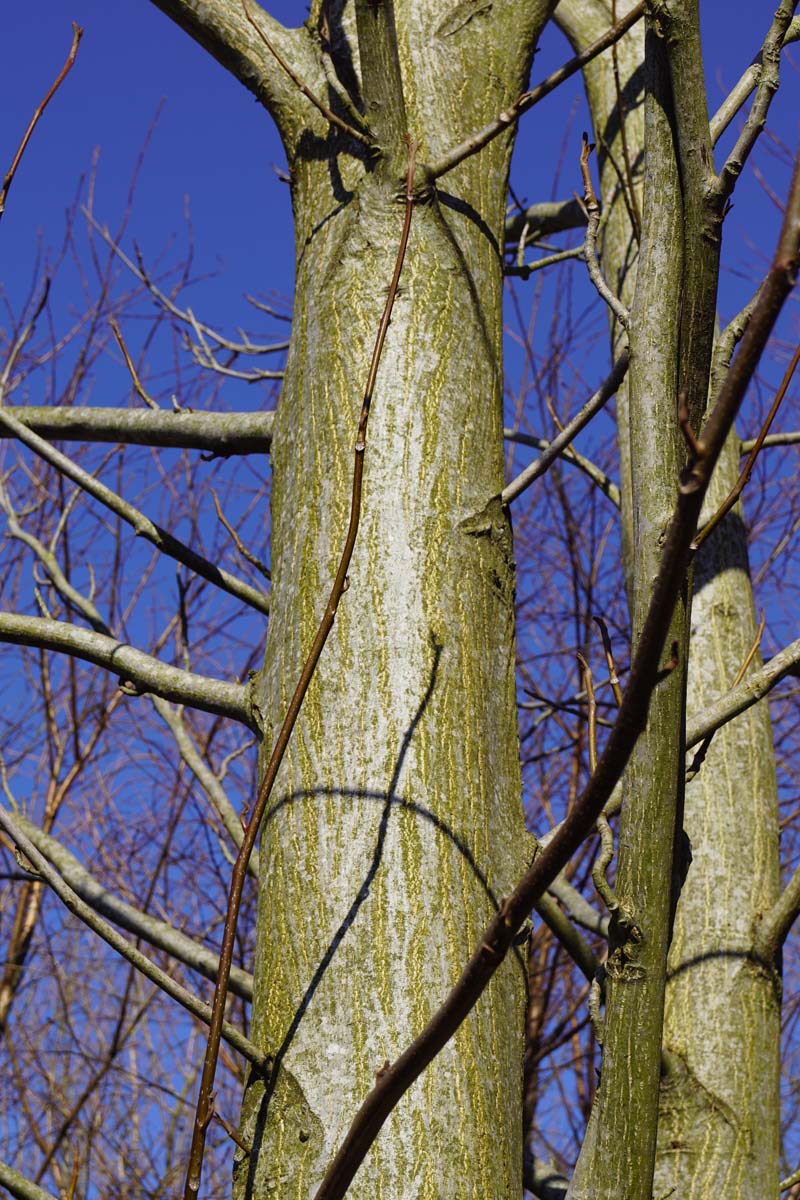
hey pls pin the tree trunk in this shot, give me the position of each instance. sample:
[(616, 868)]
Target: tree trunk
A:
[(396, 824), (717, 1128)]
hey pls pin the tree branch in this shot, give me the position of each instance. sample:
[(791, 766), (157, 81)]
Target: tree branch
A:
[(754, 688), (769, 73), (103, 902), (77, 34), (120, 944), (141, 525), (745, 87), (570, 431), (220, 26), (570, 455), (544, 219), (526, 101), (134, 668), (202, 772), (20, 1187), (218, 433)]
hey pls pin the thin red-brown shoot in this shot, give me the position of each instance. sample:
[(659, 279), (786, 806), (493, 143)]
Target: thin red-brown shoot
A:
[(747, 469), (77, 34), (204, 1110)]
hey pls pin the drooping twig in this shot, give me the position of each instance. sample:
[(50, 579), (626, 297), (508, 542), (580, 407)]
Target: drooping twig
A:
[(503, 120), (204, 1100), (77, 34), (329, 116), (747, 469), (238, 543), (161, 934), (498, 936)]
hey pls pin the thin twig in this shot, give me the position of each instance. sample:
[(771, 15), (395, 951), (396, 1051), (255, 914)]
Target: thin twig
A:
[(77, 34), (238, 543), (747, 470), (329, 116), (589, 246), (510, 115), (121, 945), (149, 401), (195, 1165), (613, 677), (525, 270), (571, 430)]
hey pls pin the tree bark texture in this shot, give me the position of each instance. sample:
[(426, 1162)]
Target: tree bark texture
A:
[(396, 824)]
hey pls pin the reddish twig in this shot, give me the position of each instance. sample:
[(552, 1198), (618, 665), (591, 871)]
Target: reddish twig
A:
[(498, 936), (137, 383), (77, 34), (747, 469), (205, 1098)]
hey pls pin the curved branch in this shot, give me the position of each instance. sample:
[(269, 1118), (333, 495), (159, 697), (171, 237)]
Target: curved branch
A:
[(141, 525), (87, 889), (219, 433), (220, 26), (202, 772), (144, 672)]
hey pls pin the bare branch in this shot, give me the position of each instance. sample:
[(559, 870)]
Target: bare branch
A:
[(20, 1187), (158, 933), (571, 430), (570, 455), (138, 672), (541, 220), (120, 944), (770, 59), (202, 772), (590, 245), (218, 433), (501, 122), (141, 525), (744, 696), (745, 87), (77, 34)]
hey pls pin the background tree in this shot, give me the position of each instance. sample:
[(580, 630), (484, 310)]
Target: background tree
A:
[(395, 829)]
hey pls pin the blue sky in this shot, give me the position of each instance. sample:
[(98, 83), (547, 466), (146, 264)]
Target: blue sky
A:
[(214, 144)]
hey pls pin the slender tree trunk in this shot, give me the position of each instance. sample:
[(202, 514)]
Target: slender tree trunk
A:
[(717, 1127), (396, 824)]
